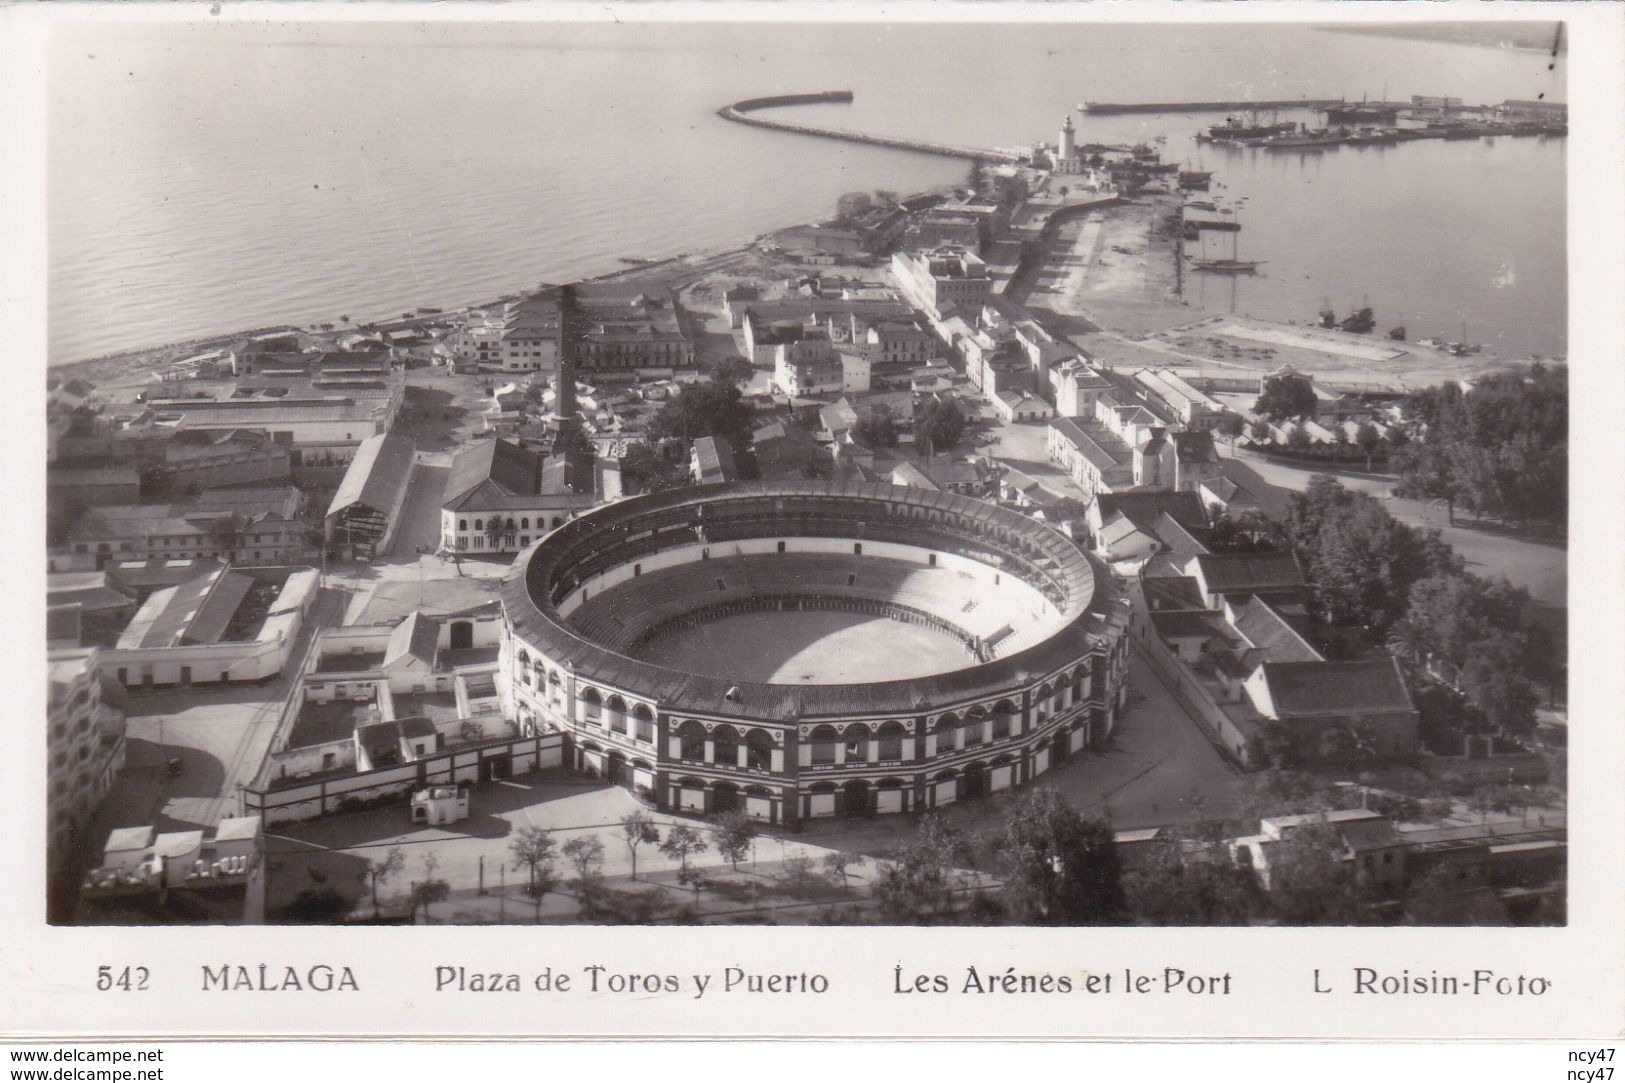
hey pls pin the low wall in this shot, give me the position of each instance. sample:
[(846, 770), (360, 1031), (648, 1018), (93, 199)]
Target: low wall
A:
[(205, 663), (307, 800), (1229, 737), (310, 760)]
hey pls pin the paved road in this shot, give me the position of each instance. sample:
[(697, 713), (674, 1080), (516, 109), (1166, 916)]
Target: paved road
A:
[(1025, 446), (420, 515)]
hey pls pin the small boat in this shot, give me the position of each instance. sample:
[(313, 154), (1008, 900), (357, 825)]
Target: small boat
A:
[(1231, 265)]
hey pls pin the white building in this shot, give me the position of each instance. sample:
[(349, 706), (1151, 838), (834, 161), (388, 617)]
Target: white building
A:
[(523, 336), (943, 280), (84, 744)]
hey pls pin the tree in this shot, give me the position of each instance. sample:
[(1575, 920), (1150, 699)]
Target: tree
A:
[(1297, 439), (586, 853), (1278, 792), (637, 830), (916, 887), (1453, 893), (495, 531), (1260, 431), (227, 533), (836, 863), (645, 470), (1062, 867), (1498, 798), (976, 177), (430, 889), (712, 409), (733, 833), (876, 427), (1359, 560), (319, 903), (377, 870), (1246, 533), (1190, 882), (1494, 679), (733, 370), (1340, 442), (1310, 883), (682, 842), (532, 849), (939, 422), (1286, 396), (1368, 439), (1501, 451)]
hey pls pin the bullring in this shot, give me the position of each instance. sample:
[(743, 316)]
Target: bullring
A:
[(1020, 663)]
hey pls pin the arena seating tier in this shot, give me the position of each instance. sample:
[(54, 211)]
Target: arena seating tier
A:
[(625, 617)]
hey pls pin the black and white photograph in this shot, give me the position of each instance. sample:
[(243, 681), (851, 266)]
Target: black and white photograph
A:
[(710, 467), (786, 485)]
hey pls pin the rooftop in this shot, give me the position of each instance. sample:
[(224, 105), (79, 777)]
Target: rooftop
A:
[(1309, 688), (1228, 573), (1144, 508), (376, 476), (196, 611), (1267, 630)]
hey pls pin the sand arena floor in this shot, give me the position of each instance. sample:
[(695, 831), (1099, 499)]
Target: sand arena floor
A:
[(808, 647)]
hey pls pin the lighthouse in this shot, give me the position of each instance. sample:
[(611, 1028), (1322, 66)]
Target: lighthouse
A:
[(1068, 142)]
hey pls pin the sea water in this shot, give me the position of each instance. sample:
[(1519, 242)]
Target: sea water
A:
[(210, 177)]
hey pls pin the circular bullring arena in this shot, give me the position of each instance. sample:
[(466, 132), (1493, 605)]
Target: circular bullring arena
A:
[(806, 649)]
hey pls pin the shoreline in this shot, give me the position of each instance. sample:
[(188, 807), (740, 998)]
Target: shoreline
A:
[(1132, 318), (123, 362)]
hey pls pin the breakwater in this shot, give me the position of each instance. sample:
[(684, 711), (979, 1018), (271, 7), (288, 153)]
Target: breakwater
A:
[(742, 112), (1105, 108)]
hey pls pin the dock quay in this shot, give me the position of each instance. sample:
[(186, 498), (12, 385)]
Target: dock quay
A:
[(743, 112), (1106, 108)]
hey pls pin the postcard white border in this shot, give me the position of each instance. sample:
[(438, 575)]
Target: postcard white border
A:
[(45, 973)]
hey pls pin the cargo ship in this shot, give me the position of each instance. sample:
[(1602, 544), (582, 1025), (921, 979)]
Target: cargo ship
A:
[(1319, 137), (1239, 129), (1373, 114)]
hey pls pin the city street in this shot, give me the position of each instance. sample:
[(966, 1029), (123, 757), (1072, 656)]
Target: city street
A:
[(1025, 446), (419, 529)]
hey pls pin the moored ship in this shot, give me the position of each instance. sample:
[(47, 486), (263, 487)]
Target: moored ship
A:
[(1238, 128), (1318, 137)]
